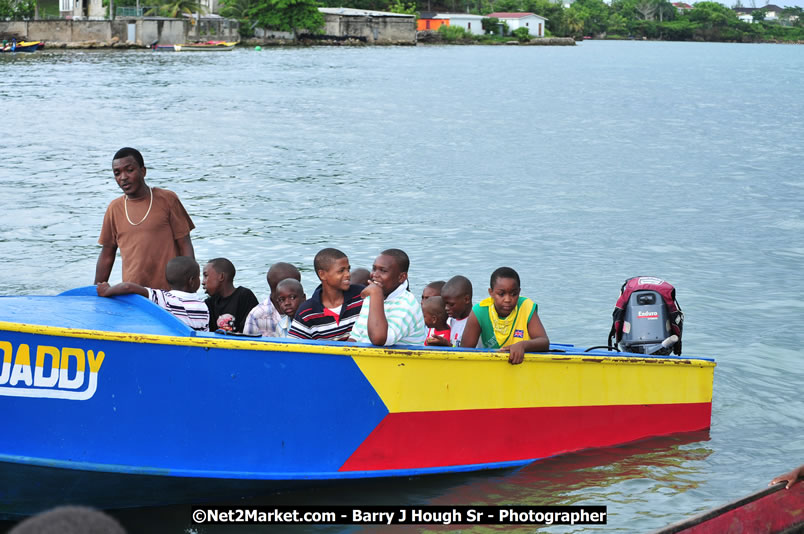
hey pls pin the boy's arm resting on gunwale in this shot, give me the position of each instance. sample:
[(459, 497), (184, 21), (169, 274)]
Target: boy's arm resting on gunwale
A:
[(538, 341), (125, 288), (103, 269)]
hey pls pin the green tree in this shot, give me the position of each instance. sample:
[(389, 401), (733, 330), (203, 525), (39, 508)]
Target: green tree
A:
[(594, 14), (759, 14), (287, 15), (174, 8), (398, 6), (522, 34), (490, 25), (552, 11), (712, 15), (574, 21), (617, 24)]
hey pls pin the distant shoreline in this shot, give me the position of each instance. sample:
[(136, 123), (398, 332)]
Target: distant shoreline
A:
[(302, 43)]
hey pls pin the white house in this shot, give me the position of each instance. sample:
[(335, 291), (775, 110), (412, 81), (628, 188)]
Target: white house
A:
[(533, 22), (470, 23)]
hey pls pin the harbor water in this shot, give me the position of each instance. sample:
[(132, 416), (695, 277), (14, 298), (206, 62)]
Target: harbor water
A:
[(577, 166)]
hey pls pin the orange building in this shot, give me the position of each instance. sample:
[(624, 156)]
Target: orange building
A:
[(427, 22)]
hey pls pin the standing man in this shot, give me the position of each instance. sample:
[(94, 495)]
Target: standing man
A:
[(149, 225)]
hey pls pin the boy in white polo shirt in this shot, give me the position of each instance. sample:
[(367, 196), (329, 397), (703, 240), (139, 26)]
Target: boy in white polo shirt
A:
[(390, 314)]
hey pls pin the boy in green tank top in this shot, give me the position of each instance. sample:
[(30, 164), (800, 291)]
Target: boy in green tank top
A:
[(505, 320)]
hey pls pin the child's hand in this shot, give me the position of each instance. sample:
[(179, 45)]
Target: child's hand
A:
[(516, 352), (791, 478), (439, 341), (372, 290), (102, 288)]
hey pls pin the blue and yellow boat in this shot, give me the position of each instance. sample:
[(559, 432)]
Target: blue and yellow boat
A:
[(112, 402)]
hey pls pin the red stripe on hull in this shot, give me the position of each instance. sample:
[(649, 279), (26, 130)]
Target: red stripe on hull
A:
[(465, 437)]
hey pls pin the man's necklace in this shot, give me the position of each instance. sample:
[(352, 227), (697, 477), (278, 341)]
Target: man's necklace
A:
[(151, 203)]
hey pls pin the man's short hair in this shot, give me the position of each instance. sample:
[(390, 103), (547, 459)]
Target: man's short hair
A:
[(180, 269), (279, 271), (504, 272), (400, 257), (325, 258), (457, 286), (127, 151), (224, 266)]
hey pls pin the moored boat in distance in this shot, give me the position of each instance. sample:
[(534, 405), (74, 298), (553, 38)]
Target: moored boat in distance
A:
[(22, 46), (208, 46), (117, 403)]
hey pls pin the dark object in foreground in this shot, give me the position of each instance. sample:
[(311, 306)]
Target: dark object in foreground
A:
[(768, 511)]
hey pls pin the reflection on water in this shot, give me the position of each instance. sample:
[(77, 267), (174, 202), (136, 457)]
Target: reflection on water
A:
[(631, 477), (578, 166)]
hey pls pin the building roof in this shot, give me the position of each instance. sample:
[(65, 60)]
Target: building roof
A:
[(769, 8), (442, 16), (681, 5), (504, 15), (350, 12)]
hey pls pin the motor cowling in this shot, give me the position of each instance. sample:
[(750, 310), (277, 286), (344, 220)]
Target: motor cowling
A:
[(646, 325)]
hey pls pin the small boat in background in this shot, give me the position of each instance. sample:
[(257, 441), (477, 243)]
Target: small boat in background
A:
[(208, 46), (22, 46), (768, 511)]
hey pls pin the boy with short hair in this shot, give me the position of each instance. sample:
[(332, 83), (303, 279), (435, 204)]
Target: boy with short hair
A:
[(433, 289), (457, 296), (289, 296), (336, 303), (435, 319), (506, 320), (183, 275), (390, 315), (266, 319), (224, 298)]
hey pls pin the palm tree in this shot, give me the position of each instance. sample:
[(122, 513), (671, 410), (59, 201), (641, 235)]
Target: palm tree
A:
[(174, 8)]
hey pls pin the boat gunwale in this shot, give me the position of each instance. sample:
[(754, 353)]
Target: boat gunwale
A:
[(211, 340)]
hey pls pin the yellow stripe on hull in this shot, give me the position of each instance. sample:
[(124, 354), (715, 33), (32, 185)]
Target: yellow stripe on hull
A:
[(411, 384)]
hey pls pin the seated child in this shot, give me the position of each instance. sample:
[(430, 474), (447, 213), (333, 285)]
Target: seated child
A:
[(266, 317), (457, 295), (433, 289), (335, 305), (184, 277), (435, 319), (224, 298), (390, 313), (505, 320), (360, 276), (289, 296)]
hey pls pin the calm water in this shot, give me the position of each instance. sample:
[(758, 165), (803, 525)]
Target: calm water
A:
[(577, 166)]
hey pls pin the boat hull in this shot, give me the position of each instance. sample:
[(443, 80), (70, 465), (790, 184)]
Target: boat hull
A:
[(185, 406), (769, 511)]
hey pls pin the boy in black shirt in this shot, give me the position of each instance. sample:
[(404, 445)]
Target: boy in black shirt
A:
[(224, 298)]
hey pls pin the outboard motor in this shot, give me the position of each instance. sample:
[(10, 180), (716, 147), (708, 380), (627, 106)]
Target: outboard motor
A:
[(646, 325), (647, 319)]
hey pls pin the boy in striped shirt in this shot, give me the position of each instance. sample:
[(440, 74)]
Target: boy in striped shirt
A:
[(336, 303), (390, 314), (184, 276)]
